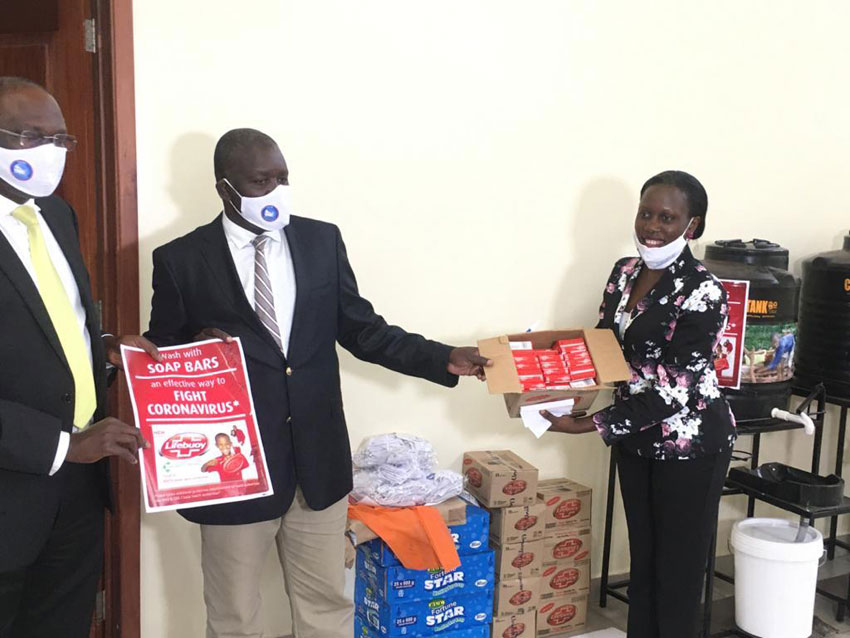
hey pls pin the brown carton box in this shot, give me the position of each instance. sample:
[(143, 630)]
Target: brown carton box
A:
[(562, 616), (453, 512), (502, 376), (525, 557), (558, 580), (512, 524), (515, 626), (567, 546), (516, 596), (567, 504), (500, 478)]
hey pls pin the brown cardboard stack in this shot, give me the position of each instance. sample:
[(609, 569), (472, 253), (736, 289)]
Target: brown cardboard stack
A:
[(507, 486), (565, 579)]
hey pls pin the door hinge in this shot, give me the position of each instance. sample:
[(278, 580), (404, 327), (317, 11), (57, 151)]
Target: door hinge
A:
[(90, 31), (100, 607)]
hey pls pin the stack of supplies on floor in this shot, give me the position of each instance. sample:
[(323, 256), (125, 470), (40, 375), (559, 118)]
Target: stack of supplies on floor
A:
[(392, 600), (565, 582), (507, 486)]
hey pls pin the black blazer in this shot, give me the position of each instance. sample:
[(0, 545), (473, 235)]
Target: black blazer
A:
[(37, 393), (300, 415), (673, 407)]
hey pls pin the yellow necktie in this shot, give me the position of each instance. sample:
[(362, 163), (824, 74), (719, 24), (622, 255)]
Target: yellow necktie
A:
[(62, 315)]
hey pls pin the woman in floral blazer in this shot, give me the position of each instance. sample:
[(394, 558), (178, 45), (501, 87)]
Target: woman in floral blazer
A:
[(671, 424)]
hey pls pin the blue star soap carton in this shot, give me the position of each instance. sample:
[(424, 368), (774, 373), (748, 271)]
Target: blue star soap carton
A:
[(422, 617), (470, 538), (475, 574), (362, 629)]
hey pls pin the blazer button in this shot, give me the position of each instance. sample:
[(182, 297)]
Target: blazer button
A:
[(66, 398), (289, 419), (288, 371)]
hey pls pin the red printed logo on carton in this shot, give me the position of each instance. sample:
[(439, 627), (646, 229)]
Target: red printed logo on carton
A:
[(521, 597), (567, 548), (184, 446), (514, 631), (526, 522), (564, 578), (515, 487), (474, 476), (562, 615), (567, 509)]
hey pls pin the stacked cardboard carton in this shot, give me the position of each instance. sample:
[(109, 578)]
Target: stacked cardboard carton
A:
[(507, 486), (391, 600), (565, 579)]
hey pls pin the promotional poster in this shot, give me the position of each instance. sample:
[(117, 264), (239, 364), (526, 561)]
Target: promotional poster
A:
[(196, 411), (728, 355)]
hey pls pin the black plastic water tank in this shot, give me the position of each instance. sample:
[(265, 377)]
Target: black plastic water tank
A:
[(770, 338), (823, 351)]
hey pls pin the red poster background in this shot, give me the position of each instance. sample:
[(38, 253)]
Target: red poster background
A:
[(730, 348), (196, 411)]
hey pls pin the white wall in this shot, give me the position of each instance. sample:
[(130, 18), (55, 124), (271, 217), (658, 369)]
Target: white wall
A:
[(483, 160)]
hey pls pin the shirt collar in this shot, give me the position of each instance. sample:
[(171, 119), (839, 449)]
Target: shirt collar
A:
[(242, 237), (7, 205)]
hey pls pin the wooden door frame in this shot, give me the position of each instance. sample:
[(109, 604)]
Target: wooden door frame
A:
[(118, 217)]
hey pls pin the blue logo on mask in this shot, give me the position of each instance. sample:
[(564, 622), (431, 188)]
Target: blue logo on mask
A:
[(270, 213), (21, 170)]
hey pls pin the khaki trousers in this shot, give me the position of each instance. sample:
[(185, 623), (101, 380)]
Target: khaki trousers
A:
[(311, 550)]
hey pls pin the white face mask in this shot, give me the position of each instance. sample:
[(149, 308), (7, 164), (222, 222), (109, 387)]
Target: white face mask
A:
[(34, 171), (269, 212), (661, 257)]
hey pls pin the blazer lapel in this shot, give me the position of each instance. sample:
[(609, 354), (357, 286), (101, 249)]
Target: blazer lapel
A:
[(217, 254), (295, 239), (666, 285), (70, 246), (11, 265)]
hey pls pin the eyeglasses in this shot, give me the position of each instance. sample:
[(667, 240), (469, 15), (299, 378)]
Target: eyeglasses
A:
[(31, 139)]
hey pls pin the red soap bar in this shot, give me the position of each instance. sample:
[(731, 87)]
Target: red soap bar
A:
[(582, 373), (523, 370), (530, 387), (568, 343)]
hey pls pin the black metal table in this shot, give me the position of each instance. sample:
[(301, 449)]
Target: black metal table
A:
[(754, 428)]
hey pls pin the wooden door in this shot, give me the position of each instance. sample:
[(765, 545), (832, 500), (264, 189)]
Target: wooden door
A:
[(81, 51)]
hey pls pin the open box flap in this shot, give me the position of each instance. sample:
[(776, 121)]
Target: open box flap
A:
[(607, 356)]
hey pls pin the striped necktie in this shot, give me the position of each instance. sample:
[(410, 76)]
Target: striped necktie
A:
[(62, 316), (263, 297)]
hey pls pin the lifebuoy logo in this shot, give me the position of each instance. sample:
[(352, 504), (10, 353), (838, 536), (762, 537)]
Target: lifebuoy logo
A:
[(184, 446)]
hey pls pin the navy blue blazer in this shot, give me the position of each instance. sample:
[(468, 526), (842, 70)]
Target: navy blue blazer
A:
[(300, 414)]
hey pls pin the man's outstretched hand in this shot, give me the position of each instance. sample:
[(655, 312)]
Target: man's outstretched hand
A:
[(467, 362)]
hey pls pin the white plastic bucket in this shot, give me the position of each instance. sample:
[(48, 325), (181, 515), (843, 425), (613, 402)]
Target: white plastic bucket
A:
[(775, 577)]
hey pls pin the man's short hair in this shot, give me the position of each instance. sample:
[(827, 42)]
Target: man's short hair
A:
[(10, 83), (231, 144)]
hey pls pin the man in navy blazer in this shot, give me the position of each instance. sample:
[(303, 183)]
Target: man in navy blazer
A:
[(282, 284)]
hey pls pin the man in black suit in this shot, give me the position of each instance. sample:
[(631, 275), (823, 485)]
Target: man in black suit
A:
[(284, 286), (54, 436)]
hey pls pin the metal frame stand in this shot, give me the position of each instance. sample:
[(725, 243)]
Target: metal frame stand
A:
[(754, 428)]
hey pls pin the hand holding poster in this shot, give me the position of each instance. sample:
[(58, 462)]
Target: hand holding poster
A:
[(195, 409)]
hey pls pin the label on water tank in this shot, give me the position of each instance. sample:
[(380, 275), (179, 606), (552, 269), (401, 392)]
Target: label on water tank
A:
[(769, 352)]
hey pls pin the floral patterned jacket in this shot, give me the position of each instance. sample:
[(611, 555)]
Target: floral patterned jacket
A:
[(672, 409)]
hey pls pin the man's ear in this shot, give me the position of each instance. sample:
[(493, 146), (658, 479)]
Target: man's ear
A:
[(221, 189)]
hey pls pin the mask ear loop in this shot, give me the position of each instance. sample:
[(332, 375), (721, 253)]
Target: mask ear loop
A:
[(230, 199)]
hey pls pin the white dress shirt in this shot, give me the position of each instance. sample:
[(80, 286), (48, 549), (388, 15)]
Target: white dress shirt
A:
[(16, 233), (281, 271)]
